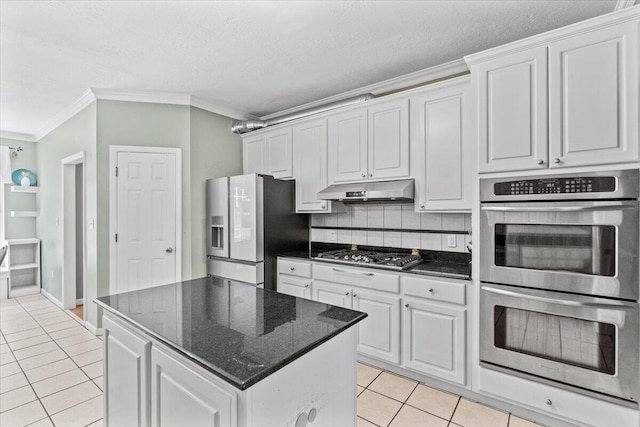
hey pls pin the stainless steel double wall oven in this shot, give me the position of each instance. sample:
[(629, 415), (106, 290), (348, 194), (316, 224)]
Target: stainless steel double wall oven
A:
[(559, 267)]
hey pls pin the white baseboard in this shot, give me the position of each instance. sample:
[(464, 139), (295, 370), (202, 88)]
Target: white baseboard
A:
[(93, 329), (80, 301), (51, 298)]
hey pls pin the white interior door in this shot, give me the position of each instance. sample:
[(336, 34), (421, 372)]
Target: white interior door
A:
[(146, 237)]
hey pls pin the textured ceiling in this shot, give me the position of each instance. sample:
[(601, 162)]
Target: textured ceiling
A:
[(256, 57)]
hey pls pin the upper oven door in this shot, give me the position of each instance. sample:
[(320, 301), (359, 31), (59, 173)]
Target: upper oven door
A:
[(586, 247)]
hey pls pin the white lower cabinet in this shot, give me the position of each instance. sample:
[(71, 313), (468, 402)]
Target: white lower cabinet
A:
[(179, 393), (434, 339), (331, 293), (126, 376), (294, 286), (379, 333)]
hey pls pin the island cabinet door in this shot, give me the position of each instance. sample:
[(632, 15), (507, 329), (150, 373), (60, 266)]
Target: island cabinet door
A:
[(434, 339), (182, 396), (379, 333), (126, 376)]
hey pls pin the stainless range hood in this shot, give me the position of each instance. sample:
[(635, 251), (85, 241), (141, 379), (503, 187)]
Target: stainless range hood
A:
[(370, 192)]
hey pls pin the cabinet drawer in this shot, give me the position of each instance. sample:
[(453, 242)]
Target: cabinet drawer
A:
[(440, 289), (294, 268), (366, 278)]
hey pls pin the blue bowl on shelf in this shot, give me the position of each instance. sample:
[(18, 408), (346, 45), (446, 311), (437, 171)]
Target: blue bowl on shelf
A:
[(18, 174)]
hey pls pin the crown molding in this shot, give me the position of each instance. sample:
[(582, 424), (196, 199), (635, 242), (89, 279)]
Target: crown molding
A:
[(412, 79), (142, 96), (543, 39), (623, 4), (212, 107), (76, 106), (18, 136)]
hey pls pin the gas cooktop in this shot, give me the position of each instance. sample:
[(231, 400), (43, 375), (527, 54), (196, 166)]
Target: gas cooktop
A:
[(395, 261)]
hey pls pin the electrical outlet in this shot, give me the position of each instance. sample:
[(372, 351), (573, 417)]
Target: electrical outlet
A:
[(332, 235), (451, 241)]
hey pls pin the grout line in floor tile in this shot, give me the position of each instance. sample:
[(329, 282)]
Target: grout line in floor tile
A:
[(438, 416)]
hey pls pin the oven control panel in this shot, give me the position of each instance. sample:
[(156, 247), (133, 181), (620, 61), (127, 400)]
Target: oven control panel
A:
[(595, 184)]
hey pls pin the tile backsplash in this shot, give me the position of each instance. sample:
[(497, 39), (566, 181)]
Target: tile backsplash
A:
[(429, 231)]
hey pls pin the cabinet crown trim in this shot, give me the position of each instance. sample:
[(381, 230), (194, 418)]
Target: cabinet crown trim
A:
[(543, 39)]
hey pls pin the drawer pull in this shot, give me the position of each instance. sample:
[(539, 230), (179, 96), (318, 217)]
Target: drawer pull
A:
[(549, 402), (338, 270), (406, 305), (292, 268), (347, 293), (355, 296), (431, 291)]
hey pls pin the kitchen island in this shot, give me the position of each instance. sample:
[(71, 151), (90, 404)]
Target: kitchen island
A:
[(217, 352)]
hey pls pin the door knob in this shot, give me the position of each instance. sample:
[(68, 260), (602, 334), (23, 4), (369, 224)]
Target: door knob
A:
[(169, 250)]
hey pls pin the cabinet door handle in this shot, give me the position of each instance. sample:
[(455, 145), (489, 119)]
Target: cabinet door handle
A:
[(306, 286), (541, 162), (338, 270), (549, 402), (364, 176), (431, 291), (355, 296), (556, 160), (422, 206), (323, 206), (292, 268), (406, 305), (347, 293), (370, 175)]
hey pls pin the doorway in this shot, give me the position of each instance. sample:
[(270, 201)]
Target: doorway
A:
[(145, 217), (73, 234)]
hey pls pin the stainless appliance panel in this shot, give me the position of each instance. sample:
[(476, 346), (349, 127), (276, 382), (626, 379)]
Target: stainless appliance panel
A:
[(627, 186), (246, 218), (577, 341), (217, 213), (585, 247)]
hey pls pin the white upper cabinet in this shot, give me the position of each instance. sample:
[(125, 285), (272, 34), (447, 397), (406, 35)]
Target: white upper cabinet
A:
[(253, 154), (279, 153), (348, 146), (512, 100), (564, 98), (370, 143), (389, 140), (310, 166), (269, 153), (441, 146), (593, 97)]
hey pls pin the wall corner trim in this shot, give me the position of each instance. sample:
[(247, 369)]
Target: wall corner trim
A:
[(93, 329), (51, 298), (623, 4)]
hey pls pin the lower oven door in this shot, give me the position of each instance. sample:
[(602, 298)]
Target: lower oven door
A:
[(582, 342)]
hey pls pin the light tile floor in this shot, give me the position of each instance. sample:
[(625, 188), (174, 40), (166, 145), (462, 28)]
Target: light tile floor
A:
[(50, 366), (386, 399), (51, 375)]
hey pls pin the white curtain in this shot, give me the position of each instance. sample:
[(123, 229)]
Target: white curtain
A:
[(5, 165)]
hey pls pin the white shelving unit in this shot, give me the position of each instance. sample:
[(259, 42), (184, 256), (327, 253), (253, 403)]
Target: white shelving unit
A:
[(23, 263), (21, 189)]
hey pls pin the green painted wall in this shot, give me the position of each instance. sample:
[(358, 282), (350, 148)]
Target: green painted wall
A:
[(25, 227), (75, 135), (209, 150), (215, 152)]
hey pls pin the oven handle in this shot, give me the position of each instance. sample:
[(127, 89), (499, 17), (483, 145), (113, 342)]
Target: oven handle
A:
[(616, 305), (558, 208)]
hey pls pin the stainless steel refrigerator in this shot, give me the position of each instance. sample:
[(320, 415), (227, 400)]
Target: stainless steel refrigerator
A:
[(250, 220)]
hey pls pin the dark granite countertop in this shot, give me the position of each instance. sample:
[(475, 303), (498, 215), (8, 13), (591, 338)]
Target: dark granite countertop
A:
[(236, 331), (452, 265)]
